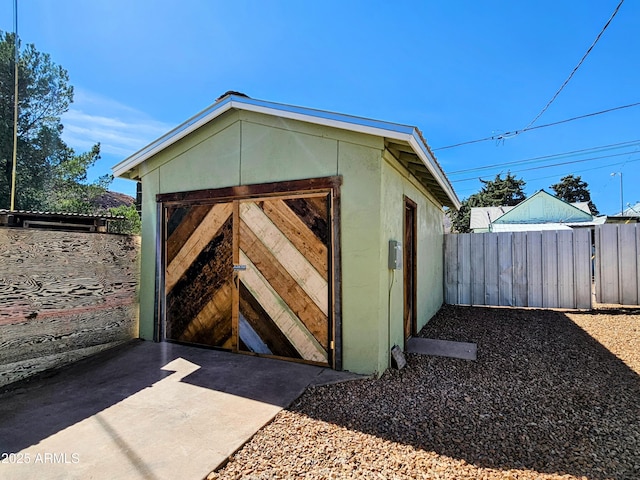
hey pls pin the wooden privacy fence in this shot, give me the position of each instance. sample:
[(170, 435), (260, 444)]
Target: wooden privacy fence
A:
[(548, 269), (64, 295), (617, 270)]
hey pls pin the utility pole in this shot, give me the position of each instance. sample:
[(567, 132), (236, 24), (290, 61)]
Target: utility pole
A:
[(15, 106)]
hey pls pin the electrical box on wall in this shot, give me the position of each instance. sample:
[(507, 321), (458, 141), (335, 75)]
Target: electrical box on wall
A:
[(395, 255)]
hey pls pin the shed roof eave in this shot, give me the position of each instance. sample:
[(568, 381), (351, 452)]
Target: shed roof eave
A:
[(392, 131), (434, 169), (319, 117), (196, 121)]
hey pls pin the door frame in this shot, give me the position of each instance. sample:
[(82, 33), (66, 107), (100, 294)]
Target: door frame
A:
[(328, 185), (409, 263)]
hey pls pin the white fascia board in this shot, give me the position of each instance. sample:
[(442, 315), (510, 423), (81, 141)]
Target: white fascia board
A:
[(437, 173), (327, 119), (169, 138), (318, 117), (378, 128)]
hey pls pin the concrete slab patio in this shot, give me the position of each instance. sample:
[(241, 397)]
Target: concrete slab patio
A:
[(145, 411)]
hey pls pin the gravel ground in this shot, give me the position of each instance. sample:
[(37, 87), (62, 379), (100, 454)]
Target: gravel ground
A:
[(552, 395)]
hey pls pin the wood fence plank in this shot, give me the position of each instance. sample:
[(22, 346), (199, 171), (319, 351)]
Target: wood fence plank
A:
[(549, 269), (608, 255), (505, 269), (520, 278), (451, 270), (477, 270), (565, 261), (597, 260), (628, 270), (582, 266), (491, 287), (534, 269), (463, 265), (637, 231)]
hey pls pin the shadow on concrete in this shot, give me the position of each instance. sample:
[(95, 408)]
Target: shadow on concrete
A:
[(543, 395), (36, 408)]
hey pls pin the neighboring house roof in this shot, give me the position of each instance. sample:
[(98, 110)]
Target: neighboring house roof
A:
[(482, 217), (415, 154), (632, 211), (526, 227), (584, 206), (541, 211), (544, 208)]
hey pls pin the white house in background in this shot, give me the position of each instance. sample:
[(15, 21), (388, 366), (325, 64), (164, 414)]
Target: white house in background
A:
[(482, 217)]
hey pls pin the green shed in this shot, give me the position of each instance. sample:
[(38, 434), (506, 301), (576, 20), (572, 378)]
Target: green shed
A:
[(290, 232)]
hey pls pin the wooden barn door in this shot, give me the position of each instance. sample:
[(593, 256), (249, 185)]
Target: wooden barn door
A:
[(284, 291), (251, 275), (199, 274)]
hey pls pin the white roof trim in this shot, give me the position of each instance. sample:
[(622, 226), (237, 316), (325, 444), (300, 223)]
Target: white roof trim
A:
[(169, 138), (388, 130), (420, 148)]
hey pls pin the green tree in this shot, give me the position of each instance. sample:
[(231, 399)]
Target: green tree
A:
[(573, 189), (461, 220), (498, 192), (50, 176), (131, 223)]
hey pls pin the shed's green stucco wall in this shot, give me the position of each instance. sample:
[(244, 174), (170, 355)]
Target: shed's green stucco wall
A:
[(396, 184), (242, 148)]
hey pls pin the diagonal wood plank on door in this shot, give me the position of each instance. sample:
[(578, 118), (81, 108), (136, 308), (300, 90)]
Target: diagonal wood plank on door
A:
[(288, 255), (284, 284), (313, 211), (181, 222), (304, 342), (299, 234), (263, 326), (211, 325), (200, 237)]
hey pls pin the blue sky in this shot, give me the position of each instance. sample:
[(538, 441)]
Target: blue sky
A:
[(458, 70)]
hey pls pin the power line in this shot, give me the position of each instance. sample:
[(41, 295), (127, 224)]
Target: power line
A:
[(599, 167), (518, 132), (586, 170), (544, 109), (546, 157), (555, 165)]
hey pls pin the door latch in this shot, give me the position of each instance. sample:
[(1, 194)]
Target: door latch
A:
[(237, 268)]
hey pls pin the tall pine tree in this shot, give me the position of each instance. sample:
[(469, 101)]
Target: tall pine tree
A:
[(50, 176), (498, 192), (573, 189)]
